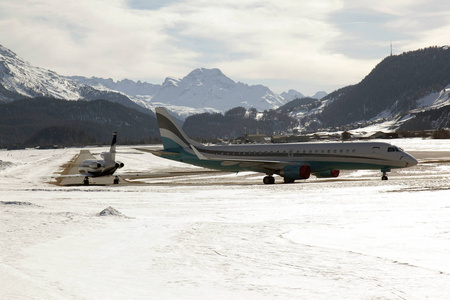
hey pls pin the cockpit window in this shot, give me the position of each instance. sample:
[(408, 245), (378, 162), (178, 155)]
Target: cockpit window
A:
[(394, 149)]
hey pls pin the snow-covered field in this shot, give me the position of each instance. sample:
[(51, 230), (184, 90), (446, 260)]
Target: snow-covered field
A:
[(224, 236)]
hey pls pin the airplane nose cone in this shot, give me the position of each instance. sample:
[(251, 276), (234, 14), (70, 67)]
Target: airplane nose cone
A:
[(411, 161)]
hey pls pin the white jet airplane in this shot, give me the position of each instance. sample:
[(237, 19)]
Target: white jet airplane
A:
[(93, 167), (290, 161), (101, 167)]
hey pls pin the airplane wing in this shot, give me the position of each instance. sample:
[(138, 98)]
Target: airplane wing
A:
[(157, 152), (143, 175), (70, 176), (273, 165), (72, 168)]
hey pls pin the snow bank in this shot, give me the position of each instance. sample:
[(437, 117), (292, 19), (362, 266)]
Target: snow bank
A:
[(110, 211)]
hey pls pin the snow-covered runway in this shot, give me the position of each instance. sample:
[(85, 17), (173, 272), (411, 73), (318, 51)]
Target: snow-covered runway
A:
[(222, 236)]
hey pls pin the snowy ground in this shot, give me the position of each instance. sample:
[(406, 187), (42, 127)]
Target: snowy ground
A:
[(225, 236)]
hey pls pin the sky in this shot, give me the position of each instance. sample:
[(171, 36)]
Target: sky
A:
[(305, 45)]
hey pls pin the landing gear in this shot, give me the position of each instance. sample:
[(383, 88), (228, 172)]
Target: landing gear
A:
[(86, 180), (384, 177), (116, 180), (288, 180), (269, 179)]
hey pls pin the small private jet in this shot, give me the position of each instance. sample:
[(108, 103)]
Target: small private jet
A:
[(291, 161), (92, 167)]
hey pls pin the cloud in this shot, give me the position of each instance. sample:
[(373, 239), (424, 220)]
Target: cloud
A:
[(411, 24), (102, 38), (308, 43), (267, 40)]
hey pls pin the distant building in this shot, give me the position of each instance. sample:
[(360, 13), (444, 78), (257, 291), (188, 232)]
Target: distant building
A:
[(384, 135), (290, 139), (252, 139), (345, 136)]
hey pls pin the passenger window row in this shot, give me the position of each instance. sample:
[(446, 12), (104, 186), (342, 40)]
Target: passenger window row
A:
[(286, 153)]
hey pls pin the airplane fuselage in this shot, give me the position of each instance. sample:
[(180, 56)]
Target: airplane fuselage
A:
[(101, 167), (319, 156), (96, 168)]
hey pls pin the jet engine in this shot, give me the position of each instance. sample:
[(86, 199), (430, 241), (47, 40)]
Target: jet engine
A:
[(327, 174), (119, 164), (296, 172), (95, 165)]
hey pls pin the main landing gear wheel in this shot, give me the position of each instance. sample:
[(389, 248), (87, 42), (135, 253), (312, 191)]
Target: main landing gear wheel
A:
[(116, 180), (86, 181), (269, 180), (384, 177)]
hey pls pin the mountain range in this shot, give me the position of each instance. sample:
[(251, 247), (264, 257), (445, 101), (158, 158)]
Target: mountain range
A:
[(399, 89), (202, 90), (19, 80), (406, 91)]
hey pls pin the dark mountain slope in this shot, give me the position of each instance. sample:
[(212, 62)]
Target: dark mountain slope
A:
[(394, 85), (30, 122), (237, 122), (429, 120)]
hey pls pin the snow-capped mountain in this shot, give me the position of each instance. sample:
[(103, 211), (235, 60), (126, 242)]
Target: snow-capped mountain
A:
[(319, 95), (126, 86), (211, 88), (199, 91), (19, 79), (291, 95)]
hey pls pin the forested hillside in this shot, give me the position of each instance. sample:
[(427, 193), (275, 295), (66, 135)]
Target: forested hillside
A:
[(48, 121), (393, 86), (237, 122), (429, 120)]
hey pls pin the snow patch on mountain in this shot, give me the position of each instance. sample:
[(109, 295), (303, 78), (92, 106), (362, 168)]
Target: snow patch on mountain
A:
[(319, 95), (291, 95), (435, 100), (182, 112), (390, 121), (125, 86), (19, 76)]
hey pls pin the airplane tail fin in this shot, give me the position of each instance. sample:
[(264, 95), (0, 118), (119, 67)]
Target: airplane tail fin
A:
[(112, 150), (172, 136)]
